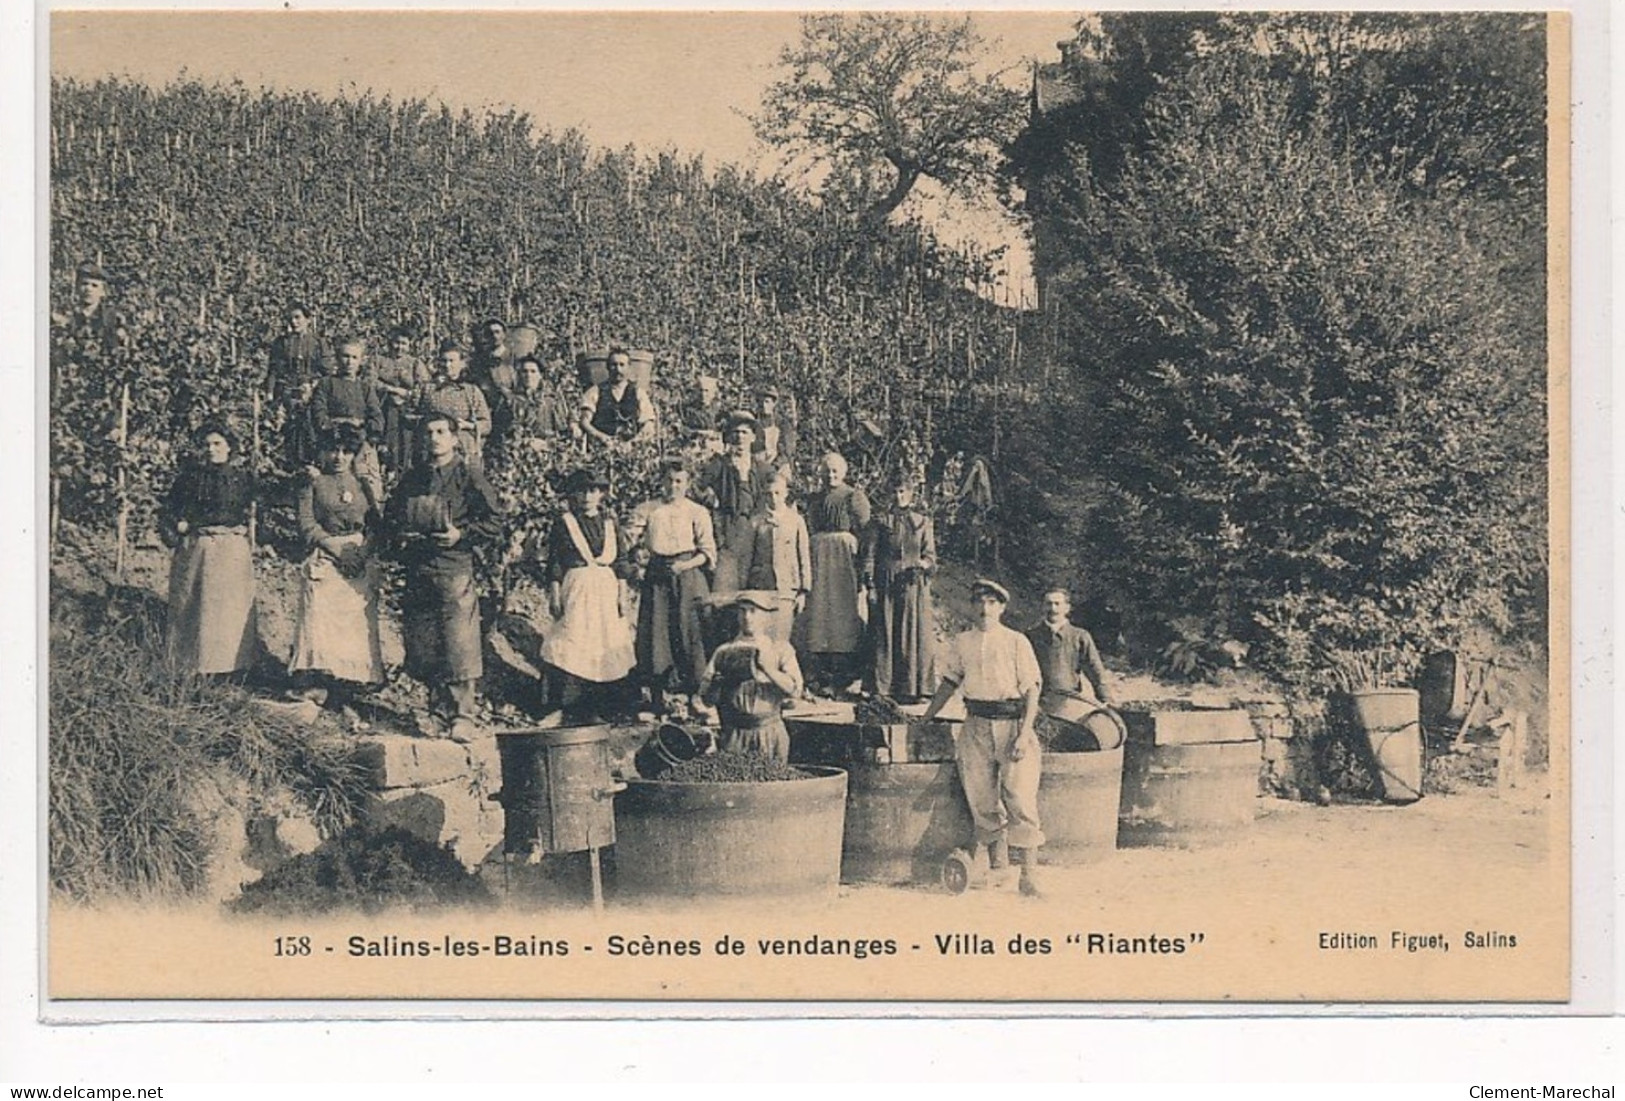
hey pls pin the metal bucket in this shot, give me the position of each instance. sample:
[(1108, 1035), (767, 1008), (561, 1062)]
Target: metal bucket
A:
[(697, 839), (1078, 799), (669, 745), (556, 790), (902, 821), (1179, 794)]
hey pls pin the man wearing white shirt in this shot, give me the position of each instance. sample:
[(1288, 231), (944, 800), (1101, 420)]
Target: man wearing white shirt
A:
[(997, 749)]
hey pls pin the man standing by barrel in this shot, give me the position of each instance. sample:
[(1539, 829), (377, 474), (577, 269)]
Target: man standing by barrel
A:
[(617, 408), (997, 750), (1067, 655), (441, 510)]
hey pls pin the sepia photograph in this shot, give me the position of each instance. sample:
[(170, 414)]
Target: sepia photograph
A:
[(864, 506)]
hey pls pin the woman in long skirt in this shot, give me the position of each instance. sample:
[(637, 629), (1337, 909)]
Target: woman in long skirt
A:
[(903, 555), (589, 650), (336, 640), (211, 577), (831, 631)]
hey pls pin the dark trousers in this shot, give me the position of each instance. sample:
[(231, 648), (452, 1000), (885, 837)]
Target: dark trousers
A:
[(440, 615)]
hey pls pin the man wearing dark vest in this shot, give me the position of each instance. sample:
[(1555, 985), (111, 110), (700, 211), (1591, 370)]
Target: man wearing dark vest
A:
[(617, 408)]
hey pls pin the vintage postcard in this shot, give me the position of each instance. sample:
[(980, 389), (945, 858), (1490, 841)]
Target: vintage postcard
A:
[(1017, 507)]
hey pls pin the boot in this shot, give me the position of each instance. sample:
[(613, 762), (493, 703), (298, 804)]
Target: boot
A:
[(998, 863), (1029, 884)]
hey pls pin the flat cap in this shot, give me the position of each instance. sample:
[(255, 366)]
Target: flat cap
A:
[(757, 598)]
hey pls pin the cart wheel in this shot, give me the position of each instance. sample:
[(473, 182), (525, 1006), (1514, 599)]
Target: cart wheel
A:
[(956, 872)]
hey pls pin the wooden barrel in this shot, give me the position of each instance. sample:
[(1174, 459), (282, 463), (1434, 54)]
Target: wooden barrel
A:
[(901, 822), (1078, 800), (1389, 719), (592, 367), (522, 341), (556, 790), (1185, 790), (1443, 689), (756, 839), (640, 368)]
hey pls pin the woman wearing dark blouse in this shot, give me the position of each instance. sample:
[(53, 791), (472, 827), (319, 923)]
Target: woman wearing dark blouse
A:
[(902, 556), (831, 630), (590, 644), (337, 634), (211, 577)]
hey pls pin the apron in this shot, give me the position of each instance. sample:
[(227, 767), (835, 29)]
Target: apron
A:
[(592, 639)]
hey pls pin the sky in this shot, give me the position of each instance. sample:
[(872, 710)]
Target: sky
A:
[(683, 80)]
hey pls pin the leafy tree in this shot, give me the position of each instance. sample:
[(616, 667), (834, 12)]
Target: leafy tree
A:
[(885, 100), (1315, 393)]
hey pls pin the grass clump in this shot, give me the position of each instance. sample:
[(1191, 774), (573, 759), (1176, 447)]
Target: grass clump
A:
[(132, 742)]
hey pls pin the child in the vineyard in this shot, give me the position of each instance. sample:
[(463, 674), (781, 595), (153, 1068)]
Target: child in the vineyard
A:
[(749, 679)]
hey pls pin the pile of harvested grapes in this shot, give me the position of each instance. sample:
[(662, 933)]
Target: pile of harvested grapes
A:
[(731, 768), (1060, 736), (878, 711)]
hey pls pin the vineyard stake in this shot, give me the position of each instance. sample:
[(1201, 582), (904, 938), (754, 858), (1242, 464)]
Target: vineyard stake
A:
[(123, 496), (253, 506)]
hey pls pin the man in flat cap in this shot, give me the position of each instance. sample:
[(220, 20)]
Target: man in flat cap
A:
[(734, 485), (997, 749), (749, 679)]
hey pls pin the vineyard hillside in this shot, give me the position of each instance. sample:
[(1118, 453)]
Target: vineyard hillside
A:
[(213, 208)]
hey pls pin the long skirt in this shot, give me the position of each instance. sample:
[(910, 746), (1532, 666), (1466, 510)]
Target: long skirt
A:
[(905, 639), (832, 623), (670, 638), (211, 604), (337, 631), (440, 614), (592, 640)]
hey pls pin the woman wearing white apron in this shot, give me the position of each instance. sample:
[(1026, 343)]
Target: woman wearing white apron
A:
[(589, 650)]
